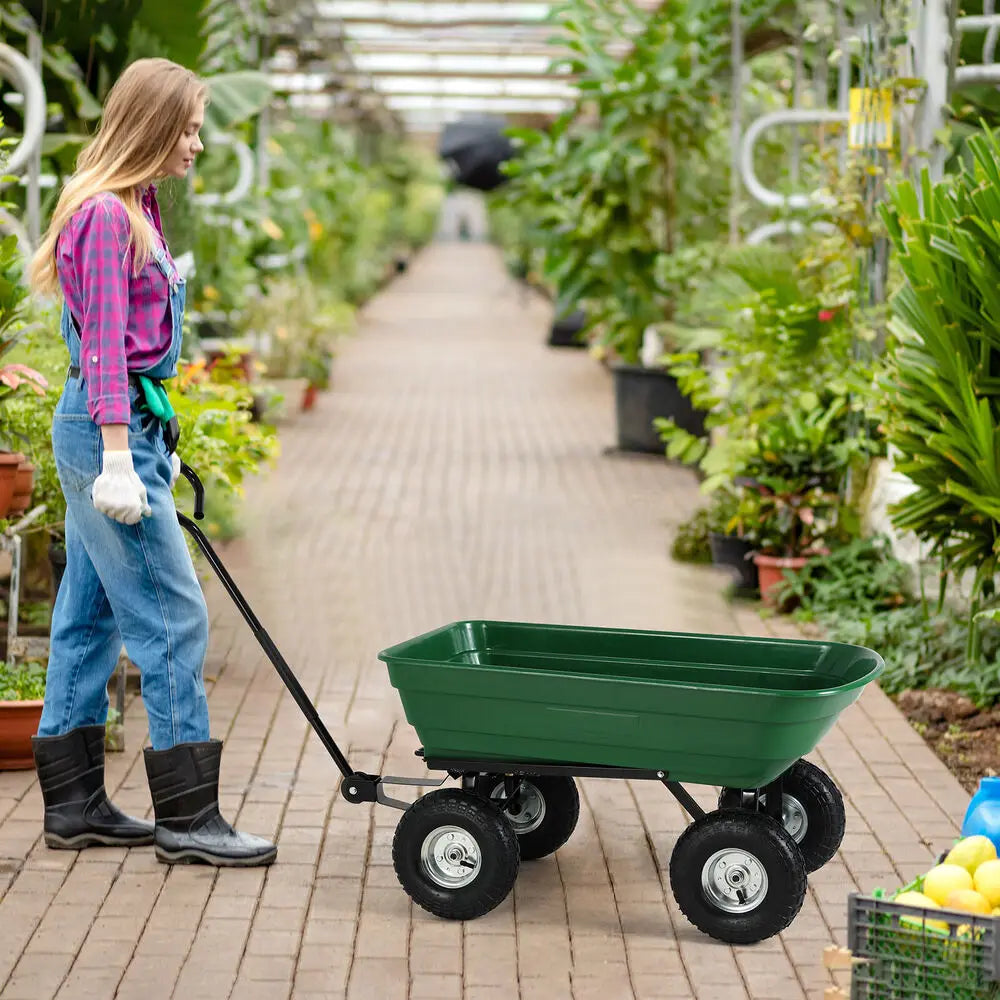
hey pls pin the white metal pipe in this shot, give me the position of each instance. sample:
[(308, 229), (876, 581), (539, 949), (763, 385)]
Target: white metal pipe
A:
[(977, 22), (736, 118), (16, 68), (761, 125), (33, 202), (244, 182), (978, 74), (785, 227)]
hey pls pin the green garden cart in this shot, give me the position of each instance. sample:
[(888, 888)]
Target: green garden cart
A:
[(513, 713)]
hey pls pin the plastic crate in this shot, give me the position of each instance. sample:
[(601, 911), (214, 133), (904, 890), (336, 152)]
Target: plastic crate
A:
[(956, 958)]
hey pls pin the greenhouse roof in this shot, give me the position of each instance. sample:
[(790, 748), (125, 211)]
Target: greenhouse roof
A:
[(431, 61)]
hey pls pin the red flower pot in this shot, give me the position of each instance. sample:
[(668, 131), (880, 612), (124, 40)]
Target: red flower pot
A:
[(771, 572), (9, 462), (24, 483), (18, 723)]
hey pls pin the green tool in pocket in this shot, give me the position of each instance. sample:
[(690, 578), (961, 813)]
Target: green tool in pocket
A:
[(158, 403)]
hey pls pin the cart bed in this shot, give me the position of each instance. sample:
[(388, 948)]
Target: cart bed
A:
[(708, 709)]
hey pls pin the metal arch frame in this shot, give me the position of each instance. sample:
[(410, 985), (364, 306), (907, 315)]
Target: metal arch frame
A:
[(786, 227), (20, 71), (797, 116), (16, 68), (988, 71), (244, 182)]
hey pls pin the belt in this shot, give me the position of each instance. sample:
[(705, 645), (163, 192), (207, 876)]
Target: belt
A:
[(152, 397), (74, 372)]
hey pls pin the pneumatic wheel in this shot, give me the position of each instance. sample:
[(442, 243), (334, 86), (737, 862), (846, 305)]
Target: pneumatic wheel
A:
[(455, 855), (544, 813), (812, 811), (738, 876)]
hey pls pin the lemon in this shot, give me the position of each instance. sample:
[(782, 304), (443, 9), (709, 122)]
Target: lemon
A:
[(944, 879), (968, 900), (971, 852), (912, 898), (987, 881)]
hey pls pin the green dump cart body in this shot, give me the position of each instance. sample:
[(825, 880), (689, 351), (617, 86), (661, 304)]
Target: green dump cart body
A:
[(706, 709)]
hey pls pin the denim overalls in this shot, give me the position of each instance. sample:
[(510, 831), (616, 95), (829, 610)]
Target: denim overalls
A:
[(125, 583)]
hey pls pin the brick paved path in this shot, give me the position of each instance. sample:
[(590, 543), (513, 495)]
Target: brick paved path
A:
[(456, 469)]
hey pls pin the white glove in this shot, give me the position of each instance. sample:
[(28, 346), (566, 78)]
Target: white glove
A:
[(175, 468), (118, 491)]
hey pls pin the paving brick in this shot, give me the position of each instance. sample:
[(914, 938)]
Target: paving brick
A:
[(376, 977)]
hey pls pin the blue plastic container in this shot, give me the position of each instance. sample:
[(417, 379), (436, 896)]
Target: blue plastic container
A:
[(983, 814)]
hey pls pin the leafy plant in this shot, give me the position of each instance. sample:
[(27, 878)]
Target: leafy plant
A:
[(300, 324), (690, 544), (24, 682), (943, 383), (218, 438), (637, 169), (861, 578), (860, 594)]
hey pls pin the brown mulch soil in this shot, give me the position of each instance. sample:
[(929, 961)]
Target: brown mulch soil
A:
[(964, 737)]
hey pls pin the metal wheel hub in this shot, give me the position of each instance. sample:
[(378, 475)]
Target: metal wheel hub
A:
[(793, 816), (527, 812), (734, 881), (451, 857)]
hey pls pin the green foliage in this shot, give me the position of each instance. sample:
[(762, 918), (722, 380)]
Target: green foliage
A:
[(861, 577), (638, 168), (24, 682), (860, 594), (218, 438), (690, 544), (301, 323), (943, 383)]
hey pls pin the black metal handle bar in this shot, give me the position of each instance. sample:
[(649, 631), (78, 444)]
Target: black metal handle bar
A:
[(260, 633), (199, 490)]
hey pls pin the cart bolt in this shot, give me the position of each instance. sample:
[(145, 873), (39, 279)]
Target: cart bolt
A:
[(659, 774), (353, 791)]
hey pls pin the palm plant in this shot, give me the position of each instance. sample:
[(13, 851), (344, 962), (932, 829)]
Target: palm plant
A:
[(943, 383)]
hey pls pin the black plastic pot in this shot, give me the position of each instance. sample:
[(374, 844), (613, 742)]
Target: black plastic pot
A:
[(565, 331), (734, 553), (642, 395), (57, 560)]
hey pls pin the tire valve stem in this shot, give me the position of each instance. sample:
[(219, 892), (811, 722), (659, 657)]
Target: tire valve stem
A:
[(741, 895)]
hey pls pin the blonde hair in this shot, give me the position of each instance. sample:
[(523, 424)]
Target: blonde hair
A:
[(145, 114)]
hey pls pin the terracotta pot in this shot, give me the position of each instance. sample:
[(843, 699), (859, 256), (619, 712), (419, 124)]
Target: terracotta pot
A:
[(309, 397), (9, 462), (18, 723), (771, 572), (24, 483)]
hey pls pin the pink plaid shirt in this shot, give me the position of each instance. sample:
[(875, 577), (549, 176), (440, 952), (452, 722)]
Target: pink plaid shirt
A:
[(123, 318)]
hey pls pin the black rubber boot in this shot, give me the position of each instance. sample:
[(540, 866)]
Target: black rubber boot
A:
[(78, 812), (184, 783)]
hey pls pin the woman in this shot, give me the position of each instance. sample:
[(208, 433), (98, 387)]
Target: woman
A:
[(129, 576)]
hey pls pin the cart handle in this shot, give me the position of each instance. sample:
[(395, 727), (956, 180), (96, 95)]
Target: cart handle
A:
[(199, 490), (272, 652)]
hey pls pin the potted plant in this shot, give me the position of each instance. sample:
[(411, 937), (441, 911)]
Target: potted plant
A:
[(22, 690), (612, 194), (733, 518), (794, 480)]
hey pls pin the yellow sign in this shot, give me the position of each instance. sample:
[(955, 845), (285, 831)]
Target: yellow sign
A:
[(870, 119)]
